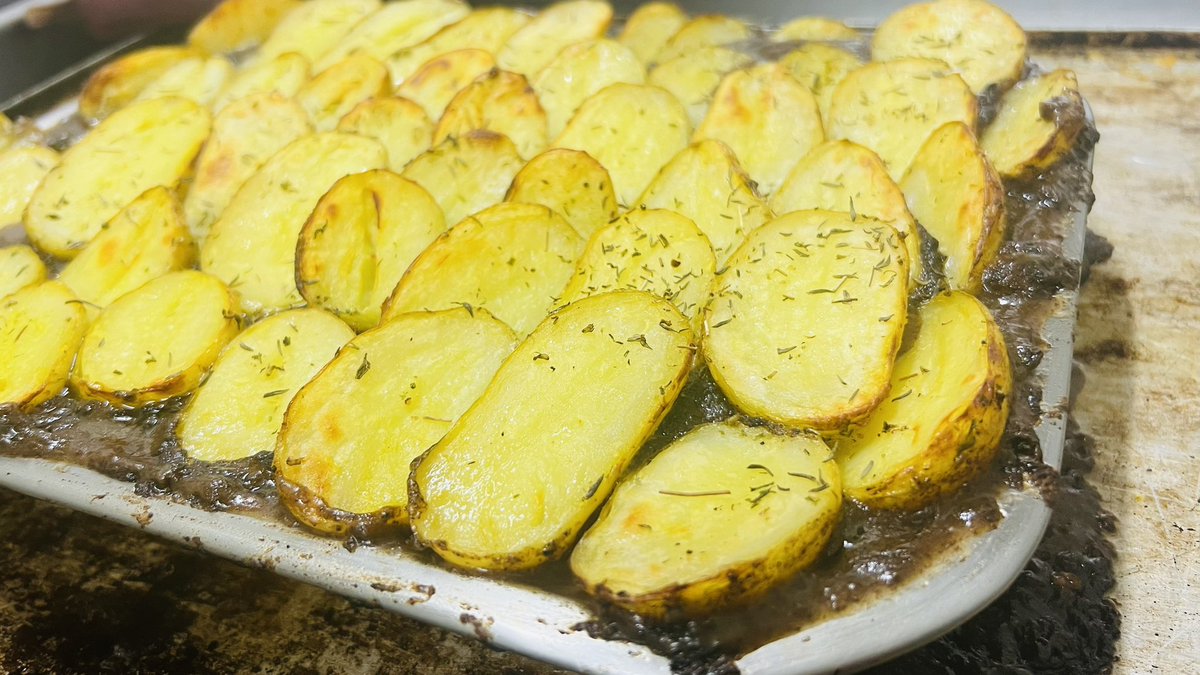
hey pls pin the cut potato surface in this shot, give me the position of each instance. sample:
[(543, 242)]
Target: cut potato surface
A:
[(235, 25), (351, 434), (717, 518), (513, 482), (393, 27), (252, 246), (116, 84), (498, 101), (978, 39), (529, 49), (956, 195), (337, 89), (579, 71), (315, 27), (487, 29), (360, 239), (511, 259), (693, 77), (141, 146), (1038, 122), (399, 124), (814, 28), (40, 330), (944, 417), (806, 319), (22, 169), (238, 410), (283, 75), (821, 68), (468, 173), (20, 267), (156, 342), (571, 183), (647, 30), (436, 82), (709, 30), (197, 79)]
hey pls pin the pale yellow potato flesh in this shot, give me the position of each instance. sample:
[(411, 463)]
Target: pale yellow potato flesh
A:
[(116, 84), (352, 432), (767, 118), (198, 79), (20, 267), (632, 130), (709, 30), (141, 146), (1037, 123), (501, 102), (821, 68), (648, 28), (466, 174), (146, 240), (252, 246), (954, 192), (717, 518), (245, 134), (806, 319), (235, 25), (360, 239), (487, 29), (516, 478), (395, 26), (238, 410), (572, 183), (315, 27), (893, 107), (976, 38), (41, 327), (22, 168), (399, 124), (814, 28), (580, 70), (942, 422), (282, 75), (335, 91), (564, 23), (693, 77), (706, 183), (156, 342), (435, 83), (511, 259)]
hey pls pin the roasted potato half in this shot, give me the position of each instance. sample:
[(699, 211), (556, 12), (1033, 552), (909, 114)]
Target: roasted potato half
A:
[(129, 357), (22, 169), (468, 173), (814, 29), (282, 75), (399, 124), (393, 27), (486, 29), (40, 330), (564, 23), (806, 319), (498, 101), (116, 84), (821, 68), (352, 432), (570, 182), (942, 420), (693, 77), (20, 267), (315, 27), (715, 519), (648, 28), (336, 90), (435, 83), (516, 478), (238, 410), (709, 30), (235, 25), (579, 71), (1038, 122), (196, 79)]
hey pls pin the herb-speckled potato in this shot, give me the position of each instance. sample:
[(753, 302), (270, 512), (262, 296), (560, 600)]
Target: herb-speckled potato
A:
[(806, 319), (283, 75), (944, 416), (564, 23), (435, 83), (487, 29), (513, 482), (648, 28), (716, 519), (235, 25), (1037, 123), (337, 89), (399, 124), (571, 183), (395, 26), (22, 169), (40, 330), (116, 84), (693, 77), (579, 71), (468, 173), (128, 358), (315, 27), (352, 432), (709, 30), (498, 101), (814, 28), (238, 410), (821, 68), (20, 267), (196, 79)]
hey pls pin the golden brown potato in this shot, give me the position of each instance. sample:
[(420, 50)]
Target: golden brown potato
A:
[(487, 29), (498, 101), (315, 27), (359, 240), (466, 174), (563, 23), (579, 71), (435, 83), (235, 25), (283, 75), (20, 267), (570, 182), (516, 478), (814, 28), (511, 259), (715, 519), (693, 77), (647, 30), (196, 79), (141, 146), (399, 124), (116, 84), (238, 410), (941, 423), (1038, 122), (821, 68), (351, 433), (22, 168), (156, 342), (40, 330), (709, 30), (806, 319), (336, 90), (395, 26)]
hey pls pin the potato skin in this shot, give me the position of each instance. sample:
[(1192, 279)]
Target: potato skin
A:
[(1038, 122)]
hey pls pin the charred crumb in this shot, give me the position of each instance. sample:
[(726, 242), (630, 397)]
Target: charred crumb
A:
[(1106, 350)]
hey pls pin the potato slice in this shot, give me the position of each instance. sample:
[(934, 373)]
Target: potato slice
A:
[(156, 342), (146, 240), (513, 482), (561, 24), (238, 410), (315, 27), (821, 68), (1038, 122), (499, 101), (468, 173), (399, 124), (652, 250), (647, 30), (139, 147), (693, 77), (978, 39), (945, 415), (705, 183), (806, 319), (359, 240), (487, 29), (199, 80), (632, 130), (512, 259), (235, 25), (393, 392), (570, 182), (20, 267), (252, 246), (244, 136), (22, 169), (892, 107), (845, 176), (767, 118), (40, 330), (579, 71), (283, 75), (814, 28), (116, 84), (436, 82), (954, 192), (716, 519), (709, 30), (339, 88), (395, 26)]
